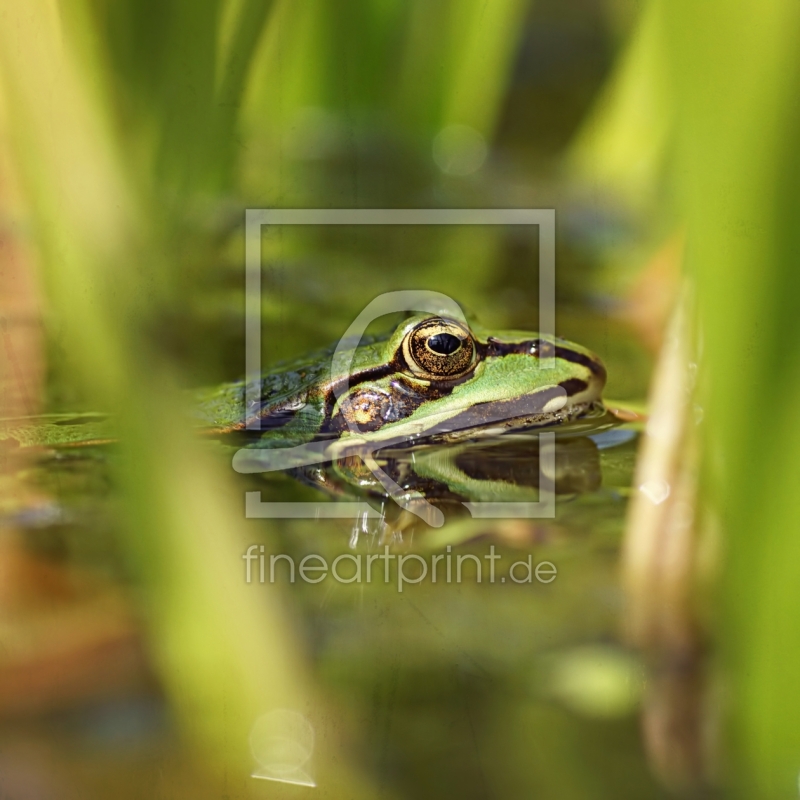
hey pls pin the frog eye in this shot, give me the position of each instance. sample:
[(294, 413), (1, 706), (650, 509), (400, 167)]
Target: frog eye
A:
[(439, 349)]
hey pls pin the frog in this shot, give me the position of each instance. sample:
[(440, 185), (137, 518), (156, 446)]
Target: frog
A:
[(433, 379)]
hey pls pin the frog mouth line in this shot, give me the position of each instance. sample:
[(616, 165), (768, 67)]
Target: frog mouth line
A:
[(518, 424)]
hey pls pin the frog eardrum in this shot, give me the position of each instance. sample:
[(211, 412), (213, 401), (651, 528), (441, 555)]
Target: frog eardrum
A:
[(439, 349)]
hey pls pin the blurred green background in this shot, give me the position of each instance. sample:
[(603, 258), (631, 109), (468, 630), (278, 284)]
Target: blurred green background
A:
[(134, 134)]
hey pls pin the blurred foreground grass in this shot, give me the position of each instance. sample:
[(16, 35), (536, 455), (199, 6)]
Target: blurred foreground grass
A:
[(722, 82), (736, 73), (106, 280)]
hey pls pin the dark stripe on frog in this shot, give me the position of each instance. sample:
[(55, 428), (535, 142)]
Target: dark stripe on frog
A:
[(494, 348), (574, 386), (269, 419), (503, 410)]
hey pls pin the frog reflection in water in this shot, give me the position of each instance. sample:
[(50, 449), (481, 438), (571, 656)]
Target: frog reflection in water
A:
[(431, 382)]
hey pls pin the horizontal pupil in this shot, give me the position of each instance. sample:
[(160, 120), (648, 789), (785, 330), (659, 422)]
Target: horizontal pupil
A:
[(444, 344)]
